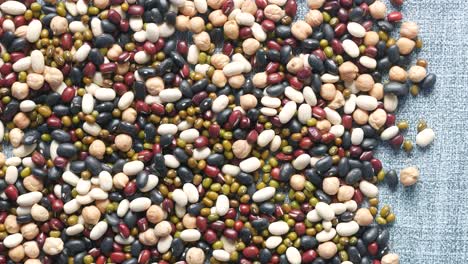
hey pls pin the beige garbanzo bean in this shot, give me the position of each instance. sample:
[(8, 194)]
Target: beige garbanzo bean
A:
[(377, 118), (409, 30), (405, 45), (417, 73), (250, 46), (365, 82), (202, 40), (91, 214), (314, 18), (315, 4), (409, 176), (241, 149), (348, 71), (301, 30), (397, 74), (182, 23), (378, 10), (217, 18), (231, 29), (295, 64)]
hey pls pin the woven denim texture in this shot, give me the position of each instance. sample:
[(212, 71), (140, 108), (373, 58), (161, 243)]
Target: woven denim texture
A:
[(432, 226)]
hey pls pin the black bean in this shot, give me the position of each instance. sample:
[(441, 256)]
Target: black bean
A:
[(185, 174), (367, 170), (328, 32), (273, 55), (108, 27), (10, 110), (60, 136), (7, 38), (283, 31), (142, 179), (18, 44), (245, 235), (267, 208), (104, 41), (107, 245), (324, 164), (346, 216), (353, 176), (75, 246), (429, 81), (285, 54), (322, 196), (391, 178), (93, 165), (215, 159), (343, 167), (370, 235), (265, 255), (177, 247), (385, 25), (96, 57), (309, 242), (31, 137), (260, 224), (66, 150), (23, 219), (369, 143), (313, 177), (316, 63), (286, 171), (194, 209), (399, 89), (130, 219), (245, 178), (383, 238)]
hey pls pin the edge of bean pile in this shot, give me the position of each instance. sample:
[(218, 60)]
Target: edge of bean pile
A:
[(204, 131)]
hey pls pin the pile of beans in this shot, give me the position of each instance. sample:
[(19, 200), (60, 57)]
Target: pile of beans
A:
[(249, 138)]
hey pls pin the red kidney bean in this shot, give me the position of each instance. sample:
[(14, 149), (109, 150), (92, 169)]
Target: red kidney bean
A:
[(135, 10), (113, 16), (144, 256), (309, 256), (117, 257), (275, 78), (273, 45), (149, 48), (396, 2), (397, 141), (250, 252), (391, 118), (120, 88), (268, 25), (373, 248), (245, 33), (376, 164), (108, 67), (340, 29), (211, 171), (182, 47), (261, 3), (210, 236), (291, 8), (394, 17), (11, 192), (89, 70), (200, 142)]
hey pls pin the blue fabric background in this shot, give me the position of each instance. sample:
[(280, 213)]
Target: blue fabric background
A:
[(432, 222), (432, 217)]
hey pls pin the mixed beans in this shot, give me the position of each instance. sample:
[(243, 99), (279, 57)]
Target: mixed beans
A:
[(180, 131)]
